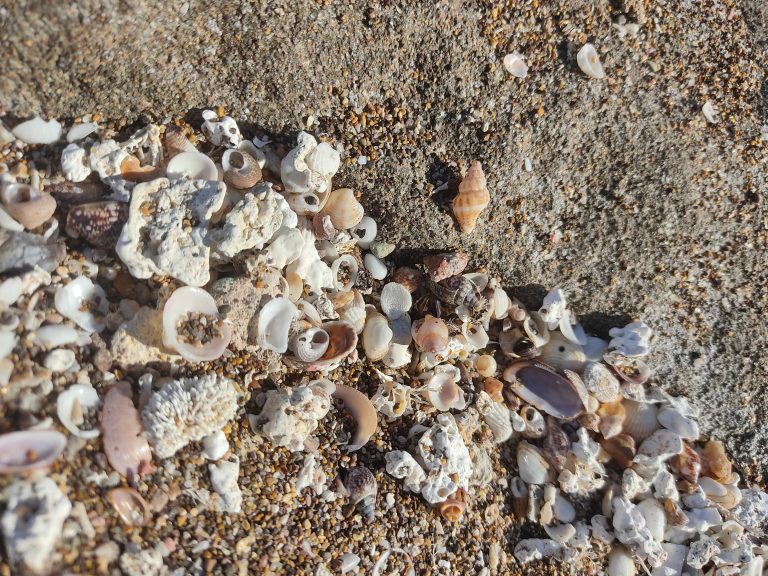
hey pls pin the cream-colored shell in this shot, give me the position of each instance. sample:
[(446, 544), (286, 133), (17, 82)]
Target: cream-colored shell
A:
[(344, 209)]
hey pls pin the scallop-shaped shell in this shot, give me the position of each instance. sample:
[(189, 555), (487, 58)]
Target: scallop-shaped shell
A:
[(630, 370), (640, 419), (125, 445), (395, 300), (486, 366), (601, 382), (344, 209), (362, 487), (453, 507), (622, 448), (98, 223), (175, 141), (362, 410), (545, 389), (515, 65), (562, 354), (83, 302), (70, 405), (30, 450), (533, 468), (377, 336), (430, 334), (345, 270), (589, 62), (192, 165), (612, 415), (310, 345), (275, 319), (514, 343), (241, 170), (556, 445), (27, 205), (472, 199), (132, 509), (715, 463), (192, 327), (411, 278), (496, 416), (535, 426), (354, 312)]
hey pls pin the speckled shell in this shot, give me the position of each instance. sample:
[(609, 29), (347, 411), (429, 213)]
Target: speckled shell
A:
[(472, 199), (132, 509), (362, 488), (344, 209), (125, 445), (241, 170), (453, 507), (98, 223), (687, 464), (430, 334), (640, 419), (408, 277), (27, 205), (562, 354)]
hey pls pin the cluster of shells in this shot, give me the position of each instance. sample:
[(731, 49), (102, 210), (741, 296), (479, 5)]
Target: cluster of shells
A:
[(474, 366)]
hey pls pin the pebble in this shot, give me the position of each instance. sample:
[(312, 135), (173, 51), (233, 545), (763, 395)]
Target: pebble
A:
[(382, 249)]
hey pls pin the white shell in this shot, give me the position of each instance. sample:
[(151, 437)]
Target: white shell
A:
[(9, 222), (655, 517), (222, 132), (38, 131), (562, 354), (533, 468), (182, 302), (479, 279), (515, 65), (601, 382), (709, 112), (310, 345), (192, 165), (395, 300), (80, 131), (11, 290), (324, 160), (661, 445), (75, 163), (620, 562), (500, 303), (443, 393), (70, 406), (59, 360), (477, 337), (304, 203), (560, 533), (375, 266), (536, 329), (535, 426), (354, 313), (589, 62), (496, 416), (377, 336), (275, 320), (398, 356), (365, 232), (673, 420), (640, 420), (83, 293), (486, 365), (215, 446), (56, 335), (351, 268)]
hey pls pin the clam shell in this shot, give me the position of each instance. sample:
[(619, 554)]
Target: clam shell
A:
[(562, 354), (500, 303), (545, 389), (655, 517), (486, 365), (189, 300), (125, 445), (98, 223), (589, 62), (443, 393), (192, 165), (83, 302), (377, 336), (27, 205), (344, 209), (630, 370), (472, 199), (176, 142), (430, 334), (241, 170), (310, 345), (74, 399), (536, 329), (496, 415), (612, 417), (533, 468), (395, 300), (29, 450), (354, 312), (275, 319), (535, 426), (515, 65), (519, 497), (345, 270), (132, 509), (640, 419)]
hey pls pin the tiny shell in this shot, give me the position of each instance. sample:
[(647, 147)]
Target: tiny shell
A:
[(29, 450), (672, 419), (362, 410), (536, 329), (408, 277), (562, 354), (344, 209), (28, 205), (192, 165), (59, 360), (630, 370), (180, 307), (345, 270), (515, 65), (132, 509), (687, 464), (519, 497), (362, 488), (486, 366), (640, 419), (80, 131), (535, 426), (83, 302), (176, 142), (75, 399), (395, 300), (241, 170), (98, 223), (430, 334), (560, 533), (589, 62), (514, 343), (310, 345), (444, 393), (556, 445), (532, 466), (472, 199), (453, 507), (125, 445)]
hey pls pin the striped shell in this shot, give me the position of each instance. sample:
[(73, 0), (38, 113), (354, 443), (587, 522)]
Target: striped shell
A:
[(496, 416), (472, 199), (176, 141), (562, 354), (98, 223), (310, 345), (344, 209), (241, 170), (640, 419)]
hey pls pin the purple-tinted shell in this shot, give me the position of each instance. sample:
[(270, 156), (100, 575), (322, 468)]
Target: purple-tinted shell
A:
[(29, 450), (542, 387)]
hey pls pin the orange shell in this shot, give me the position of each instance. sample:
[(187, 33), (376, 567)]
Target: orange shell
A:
[(472, 199), (452, 509)]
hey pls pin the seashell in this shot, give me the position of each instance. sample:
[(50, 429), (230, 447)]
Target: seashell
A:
[(620, 562), (176, 141), (496, 415), (310, 345), (305, 203), (560, 533), (493, 388), (444, 393), (38, 131), (362, 488), (672, 419), (295, 286), (714, 462), (344, 209), (192, 165), (630, 370), (562, 354), (80, 131), (519, 497), (640, 419), (459, 291), (453, 507), (56, 335), (215, 446), (27, 205), (545, 389), (59, 360), (192, 325), (499, 303), (514, 343), (563, 509), (533, 468), (612, 415), (377, 336), (536, 329), (556, 445), (241, 170), (535, 426), (220, 132), (365, 232), (475, 335), (655, 517), (83, 302), (354, 313), (275, 319), (345, 271), (601, 382), (342, 341), (29, 450), (589, 62), (362, 410), (74, 163), (132, 509), (590, 421), (430, 334), (395, 300), (375, 266), (408, 277), (486, 366), (70, 405), (675, 514), (323, 227), (687, 464), (125, 445), (515, 65), (98, 223), (441, 266), (472, 199), (132, 170)]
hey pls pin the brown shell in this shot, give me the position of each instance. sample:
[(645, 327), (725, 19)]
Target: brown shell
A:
[(556, 445), (687, 464), (131, 169), (514, 343), (612, 416), (243, 170), (362, 488), (408, 277), (493, 387), (715, 463), (99, 223), (452, 509), (472, 199), (27, 205), (175, 141), (621, 448), (673, 512), (442, 266)]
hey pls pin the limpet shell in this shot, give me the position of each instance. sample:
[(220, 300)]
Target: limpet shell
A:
[(29, 450), (430, 334), (132, 509), (70, 405)]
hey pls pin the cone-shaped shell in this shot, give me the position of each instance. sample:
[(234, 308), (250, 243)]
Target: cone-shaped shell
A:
[(545, 389), (241, 170), (472, 199), (344, 209), (98, 223)]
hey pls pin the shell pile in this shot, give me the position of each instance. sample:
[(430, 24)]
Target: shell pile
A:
[(252, 252)]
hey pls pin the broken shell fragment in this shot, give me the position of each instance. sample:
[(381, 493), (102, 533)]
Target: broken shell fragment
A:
[(715, 463), (27, 205), (275, 320), (453, 507), (536, 329), (532, 466), (514, 343), (71, 405), (612, 417), (176, 142), (132, 509), (29, 450), (362, 410), (241, 170), (345, 270), (83, 302), (589, 62), (430, 334), (545, 389), (192, 326), (38, 131), (630, 370), (535, 426), (515, 65), (192, 165), (365, 232), (687, 464), (621, 448), (601, 382), (408, 277), (472, 199)]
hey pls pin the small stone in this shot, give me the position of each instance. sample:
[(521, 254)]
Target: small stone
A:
[(382, 249)]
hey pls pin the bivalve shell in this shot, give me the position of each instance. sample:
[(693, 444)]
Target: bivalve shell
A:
[(377, 336), (714, 462), (545, 389), (344, 209), (515, 65), (345, 270), (275, 319), (192, 165), (430, 334), (132, 509), (472, 199), (589, 62), (362, 410), (192, 327), (125, 444), (395, 300), (612, 415), (562, 354), (70, 406), (640, 419), (533, 468), (486, 366), (29, 450)]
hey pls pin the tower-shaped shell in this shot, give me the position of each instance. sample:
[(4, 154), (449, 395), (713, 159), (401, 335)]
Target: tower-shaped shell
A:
[(472, 199)]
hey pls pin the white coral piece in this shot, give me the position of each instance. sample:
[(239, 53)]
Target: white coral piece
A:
[(403, 466), (187, 410), (224, 476), (632, 340), (582, 472), (630, 528), (446, 459), (221, 132), (74, 163)]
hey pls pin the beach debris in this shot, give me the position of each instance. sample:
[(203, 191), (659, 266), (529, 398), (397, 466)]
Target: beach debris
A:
[(589, 62), (38, 131), (130, 506), (126, 447), (362, 410), (28, 450), (192, 326), (73, 404), (224, 475), (361, 488), (515, 65)]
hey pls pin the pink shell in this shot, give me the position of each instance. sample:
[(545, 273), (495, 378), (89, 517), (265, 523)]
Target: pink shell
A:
[(124, 443), (29, 450)]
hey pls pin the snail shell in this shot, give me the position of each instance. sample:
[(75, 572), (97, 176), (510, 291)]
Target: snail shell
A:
[(98, 223), (430, 334), (377, 336), (176, 141), (310, 345), (28, 205), (241, 170), (453, 507), (344, 209), (486, 367), (472, 199), (535, 426), (515, 344), (362, 488)]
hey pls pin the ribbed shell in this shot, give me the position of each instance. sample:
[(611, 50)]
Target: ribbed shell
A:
[(640, 419), (472, 199), (241, 170), (176, 142), (562, 354), (496, 416), (344, 209), (310, 345), (362, 487)]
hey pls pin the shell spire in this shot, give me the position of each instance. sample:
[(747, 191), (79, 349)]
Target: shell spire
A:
[(472, 199)]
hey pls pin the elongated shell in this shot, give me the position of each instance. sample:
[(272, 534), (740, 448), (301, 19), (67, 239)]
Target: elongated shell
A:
[(377, 336), (362, 410), (29, 450), (430, 334), (310, 345), (98, 223), (125, 445), (562, 354), (28, 205), (639, 419), (496, 416), (545, 389), (130, 506), (344, 209), (472, 199), (532, 466), (589, 62), (241, 170), (556, 445)]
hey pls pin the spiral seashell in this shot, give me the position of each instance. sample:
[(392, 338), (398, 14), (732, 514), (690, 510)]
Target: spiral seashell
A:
[(430, 334), (715, 463), (395, 300), (556, 445), (192, 326), (472, 199), (132, 509), (241, 170), (377, 336), (408, 277), (622, 448), (362, 488), (362, 410), (342, 341), (310, 345), (515, 344), (453, 507), (612, 415), (535, 426), (640, 419), (125, 445), (98, 223), (344, 209), (27, 205), (345, 270), (29, 450), (486, 366), (589, 62), (562, 354), (687, 464), (532, 466), (175, 141)]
